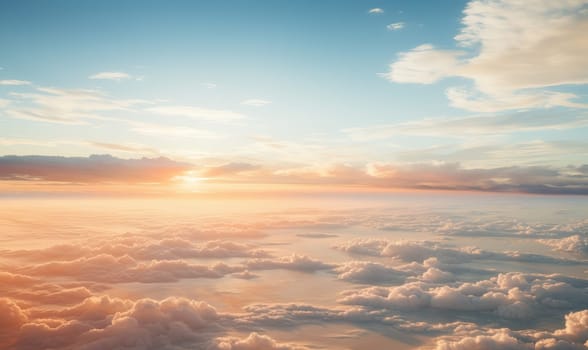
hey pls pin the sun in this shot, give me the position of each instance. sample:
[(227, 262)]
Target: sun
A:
[(189, 181)]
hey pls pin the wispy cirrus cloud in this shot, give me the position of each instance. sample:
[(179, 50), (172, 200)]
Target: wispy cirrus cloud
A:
[(117, 76), (158, 129), (376, 11), (477, 124), (256, 102), (124, 147), (209, 85), (198, 113), (14, 82), (63, 106)]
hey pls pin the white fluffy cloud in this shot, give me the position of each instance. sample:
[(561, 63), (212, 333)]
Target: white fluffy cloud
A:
[(143, 324), (573, 244), (501, 340), (424, 64), (369, 273), (418, 251), (513, 51), (508, 295), (254, 341), (293, 262)]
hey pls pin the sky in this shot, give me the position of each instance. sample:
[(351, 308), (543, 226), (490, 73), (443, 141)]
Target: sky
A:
[(478, 95)]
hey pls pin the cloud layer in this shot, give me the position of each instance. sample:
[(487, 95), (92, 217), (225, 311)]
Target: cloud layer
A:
[(95, 168)]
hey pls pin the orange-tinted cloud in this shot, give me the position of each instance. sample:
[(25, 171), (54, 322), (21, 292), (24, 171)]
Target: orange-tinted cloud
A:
[(92, 169)]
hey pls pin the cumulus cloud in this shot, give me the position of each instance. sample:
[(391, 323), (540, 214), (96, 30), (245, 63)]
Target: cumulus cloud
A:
[(143, 324), (95, 168), (573, 244), (369, 273), (429, 293), (293, 262), (417, 251), (117, 76), (508, 295), (142, 248), (253, 341), (110, 269), (436, 275), (515, 51), (11, 316), (572, 337), (499, 340), (576, 327)]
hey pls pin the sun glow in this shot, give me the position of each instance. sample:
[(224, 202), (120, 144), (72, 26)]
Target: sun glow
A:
[(189, 181)]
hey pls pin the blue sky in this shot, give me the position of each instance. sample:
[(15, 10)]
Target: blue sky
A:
[(309, 84)]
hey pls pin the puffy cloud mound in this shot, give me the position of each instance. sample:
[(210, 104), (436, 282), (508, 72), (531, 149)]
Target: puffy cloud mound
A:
[(369, 273), (110, 269), (104, 323), (254, 341), (11, 315), (501, 340), (509, 295), (576, 326), (573, 244), (142, 248), (413, 251), (293, 262)]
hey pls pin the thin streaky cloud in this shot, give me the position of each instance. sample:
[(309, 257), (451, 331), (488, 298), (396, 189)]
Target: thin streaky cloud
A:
[(209, 85), (14, 82), (395, 26), (196, 112), (256, 102), (126, 147), (172, 131), (477, 125), (110, 76), (376, 11)]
